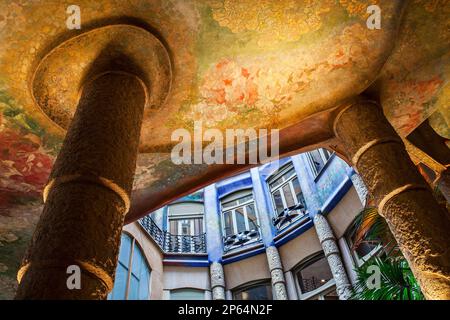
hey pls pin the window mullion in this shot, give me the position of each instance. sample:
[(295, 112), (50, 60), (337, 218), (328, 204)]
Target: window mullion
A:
[(130, 265), (247, 226)]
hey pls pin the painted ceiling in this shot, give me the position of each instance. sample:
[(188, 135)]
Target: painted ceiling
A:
[(234, 64)]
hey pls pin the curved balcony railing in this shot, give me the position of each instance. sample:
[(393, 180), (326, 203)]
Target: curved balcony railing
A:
[(240, 239), (174, 243)]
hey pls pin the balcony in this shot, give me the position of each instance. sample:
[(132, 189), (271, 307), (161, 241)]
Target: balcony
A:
[(174, 243), (240, 239), (288, 215)]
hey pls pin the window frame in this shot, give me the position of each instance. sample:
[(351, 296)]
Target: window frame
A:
[(233, 208), (129, 268), (289, 181), (252, 284), (187, 288), (187, 216), (359, 261), (325, 159), (320, 291)]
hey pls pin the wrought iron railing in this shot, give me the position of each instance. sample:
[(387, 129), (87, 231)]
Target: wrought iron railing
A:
[(174, 243), (288, 215), (240, 239)]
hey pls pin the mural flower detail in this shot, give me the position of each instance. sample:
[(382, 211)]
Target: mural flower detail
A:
[(357, 7), (24, 167), (411, 102), (240, 85), (274, 21)]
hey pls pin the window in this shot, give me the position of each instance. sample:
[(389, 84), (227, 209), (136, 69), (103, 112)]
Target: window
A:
[(132, 279), (187, 294), (364, 250), (315, 280), (317, 159), (239, 213), (255, 291), (186, 218), (285, 190)]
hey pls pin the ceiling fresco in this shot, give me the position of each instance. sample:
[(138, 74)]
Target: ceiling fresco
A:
[(234, 64)]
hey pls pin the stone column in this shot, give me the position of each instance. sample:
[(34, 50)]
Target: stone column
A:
[(360, 187), (88, 194), (419, 224), (331, 251), (217, 281), (276, 273)]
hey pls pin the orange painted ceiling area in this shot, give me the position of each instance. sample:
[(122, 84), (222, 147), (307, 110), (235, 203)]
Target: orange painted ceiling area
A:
[(281, 64)]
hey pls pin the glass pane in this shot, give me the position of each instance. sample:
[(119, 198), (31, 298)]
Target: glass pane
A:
[(134, 288), (187, 294), (288, 174), (278, 201), (173, 228), (298, 191), (288, 195), (331, 295), (198, 226), (276, 183), (137, 262), (251, 215), (186, 227), (245, 199), (316, 159), (125, 249), (240, 219), (230, 204), (120, 283), (260, 292), (364, 248), (314, 275), (228, 223), (326, 153), (144, 283)]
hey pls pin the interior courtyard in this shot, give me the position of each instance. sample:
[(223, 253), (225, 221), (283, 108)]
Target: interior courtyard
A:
[(224, 150)]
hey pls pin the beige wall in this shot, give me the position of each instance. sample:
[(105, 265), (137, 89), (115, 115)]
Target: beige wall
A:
[(299, 248), (154, 258), (344, 213), (243, 271), (186, 277)]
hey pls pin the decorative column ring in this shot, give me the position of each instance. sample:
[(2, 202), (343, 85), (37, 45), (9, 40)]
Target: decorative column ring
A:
[(418, 222)]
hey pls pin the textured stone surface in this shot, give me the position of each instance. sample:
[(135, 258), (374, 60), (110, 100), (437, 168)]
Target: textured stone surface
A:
[(419, 224), (332, 253), (82, 222), (217, 281), (360, 188), (276, 273)]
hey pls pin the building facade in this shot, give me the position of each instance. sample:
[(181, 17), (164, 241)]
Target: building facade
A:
[(279, 231)]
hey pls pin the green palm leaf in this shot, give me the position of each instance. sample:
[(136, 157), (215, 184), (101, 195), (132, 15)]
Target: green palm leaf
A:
[(396, 281)]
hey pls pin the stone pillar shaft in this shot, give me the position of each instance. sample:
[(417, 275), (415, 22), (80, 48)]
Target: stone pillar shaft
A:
[(360, 188), (217, 281), (276, 273), (88, 194), (332, 253), (418, 223)]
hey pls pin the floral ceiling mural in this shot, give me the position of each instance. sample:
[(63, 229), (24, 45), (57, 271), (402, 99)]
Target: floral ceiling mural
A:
[(246, 64)]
